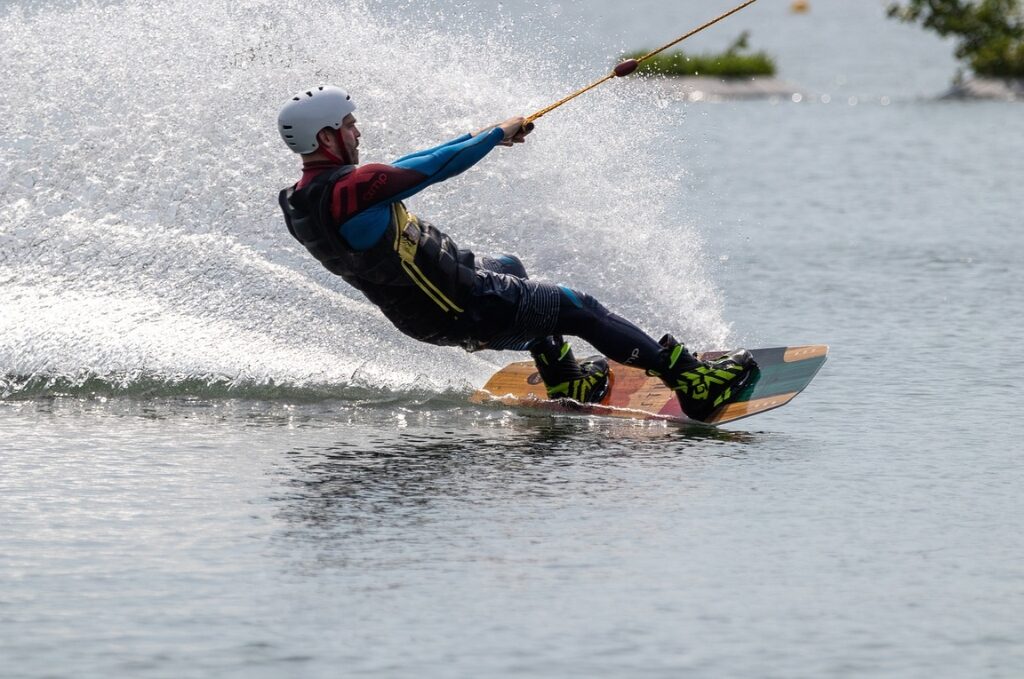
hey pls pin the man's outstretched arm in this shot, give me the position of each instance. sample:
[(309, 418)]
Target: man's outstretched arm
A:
[(457, 140), (444, 162), (518, 137), (361, 200)]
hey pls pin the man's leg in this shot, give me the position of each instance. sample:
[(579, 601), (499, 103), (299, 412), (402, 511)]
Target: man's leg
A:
[(581, 315), (537, 306), (702, 387), (543, 313), (506, 264)]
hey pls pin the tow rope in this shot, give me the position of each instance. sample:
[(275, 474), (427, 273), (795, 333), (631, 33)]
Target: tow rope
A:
[(630, 65)]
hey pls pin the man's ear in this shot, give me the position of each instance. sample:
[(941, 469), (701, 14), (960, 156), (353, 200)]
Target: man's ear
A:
[(325, 136)]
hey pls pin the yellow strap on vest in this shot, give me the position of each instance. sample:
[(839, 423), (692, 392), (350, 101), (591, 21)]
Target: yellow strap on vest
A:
[(407, 240)]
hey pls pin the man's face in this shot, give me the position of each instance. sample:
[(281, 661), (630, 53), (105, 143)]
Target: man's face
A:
[(350, 138)]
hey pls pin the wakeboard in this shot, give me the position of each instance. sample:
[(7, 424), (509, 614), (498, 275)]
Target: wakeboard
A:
[(783, 372)]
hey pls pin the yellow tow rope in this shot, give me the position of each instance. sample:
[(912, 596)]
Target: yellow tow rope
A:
[(630, 65)]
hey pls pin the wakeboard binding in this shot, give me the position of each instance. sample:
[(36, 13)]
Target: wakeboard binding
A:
[(703, 387), (566, 378)]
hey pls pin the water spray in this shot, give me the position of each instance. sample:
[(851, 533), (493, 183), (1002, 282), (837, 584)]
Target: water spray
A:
[(630, 65)]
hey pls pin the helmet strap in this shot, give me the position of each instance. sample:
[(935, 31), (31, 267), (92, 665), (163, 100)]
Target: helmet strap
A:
[(344, 160)]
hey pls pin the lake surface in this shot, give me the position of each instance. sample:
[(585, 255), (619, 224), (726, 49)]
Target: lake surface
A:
[(216, 461)]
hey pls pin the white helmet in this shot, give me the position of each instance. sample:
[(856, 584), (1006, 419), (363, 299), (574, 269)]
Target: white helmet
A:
[(311, 111)]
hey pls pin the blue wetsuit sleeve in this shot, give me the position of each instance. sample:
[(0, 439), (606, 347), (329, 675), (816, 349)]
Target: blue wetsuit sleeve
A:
[(457, 140), (363, 199), (447, 161)]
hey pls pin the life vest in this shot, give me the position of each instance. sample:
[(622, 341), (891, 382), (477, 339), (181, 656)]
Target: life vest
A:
[(417, 276)]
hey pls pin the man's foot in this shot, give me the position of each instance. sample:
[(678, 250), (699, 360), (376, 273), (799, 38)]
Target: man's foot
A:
[(703, 387), (564, 376)]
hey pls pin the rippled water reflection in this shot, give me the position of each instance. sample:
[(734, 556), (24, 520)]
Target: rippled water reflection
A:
[(251, 538)]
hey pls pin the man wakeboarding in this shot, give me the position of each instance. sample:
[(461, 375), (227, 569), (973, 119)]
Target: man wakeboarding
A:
[(352, 219)]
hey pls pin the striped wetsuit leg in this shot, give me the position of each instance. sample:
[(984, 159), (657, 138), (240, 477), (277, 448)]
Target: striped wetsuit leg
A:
[(507, 264), (582, 316)]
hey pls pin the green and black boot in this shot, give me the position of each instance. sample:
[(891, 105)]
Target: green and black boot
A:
[(703, 387), (564, 376)]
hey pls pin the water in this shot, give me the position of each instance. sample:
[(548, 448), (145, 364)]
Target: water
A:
[(217, 461)]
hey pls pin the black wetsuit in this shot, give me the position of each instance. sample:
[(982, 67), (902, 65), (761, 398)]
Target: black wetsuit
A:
[(352, 220)]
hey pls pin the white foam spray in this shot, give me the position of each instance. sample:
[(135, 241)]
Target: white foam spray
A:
[(140, 165)]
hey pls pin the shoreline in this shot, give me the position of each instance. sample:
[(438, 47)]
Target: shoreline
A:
[(714, 88), (987, 89), (718, 89)]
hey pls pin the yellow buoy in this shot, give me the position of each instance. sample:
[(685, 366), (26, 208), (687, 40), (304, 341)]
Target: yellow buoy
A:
[(799, 6)]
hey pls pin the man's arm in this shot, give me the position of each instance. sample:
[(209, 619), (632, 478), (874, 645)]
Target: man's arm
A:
[(507, 141), (424, 152), (360, 201), (449, 160), (376, 184), (510, 137)]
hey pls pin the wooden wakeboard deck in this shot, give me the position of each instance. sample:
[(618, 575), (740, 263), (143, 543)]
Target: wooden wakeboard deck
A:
[(783, 373)]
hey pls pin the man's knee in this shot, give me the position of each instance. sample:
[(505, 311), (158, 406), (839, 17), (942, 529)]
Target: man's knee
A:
[(580, 314), (581, 301), (513, 265), (506, 264)]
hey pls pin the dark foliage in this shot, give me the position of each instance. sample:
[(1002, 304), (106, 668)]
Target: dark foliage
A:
[(735, 62), (990, 32)]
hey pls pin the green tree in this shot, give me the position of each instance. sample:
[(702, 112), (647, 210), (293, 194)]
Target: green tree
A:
[(990, 32)]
